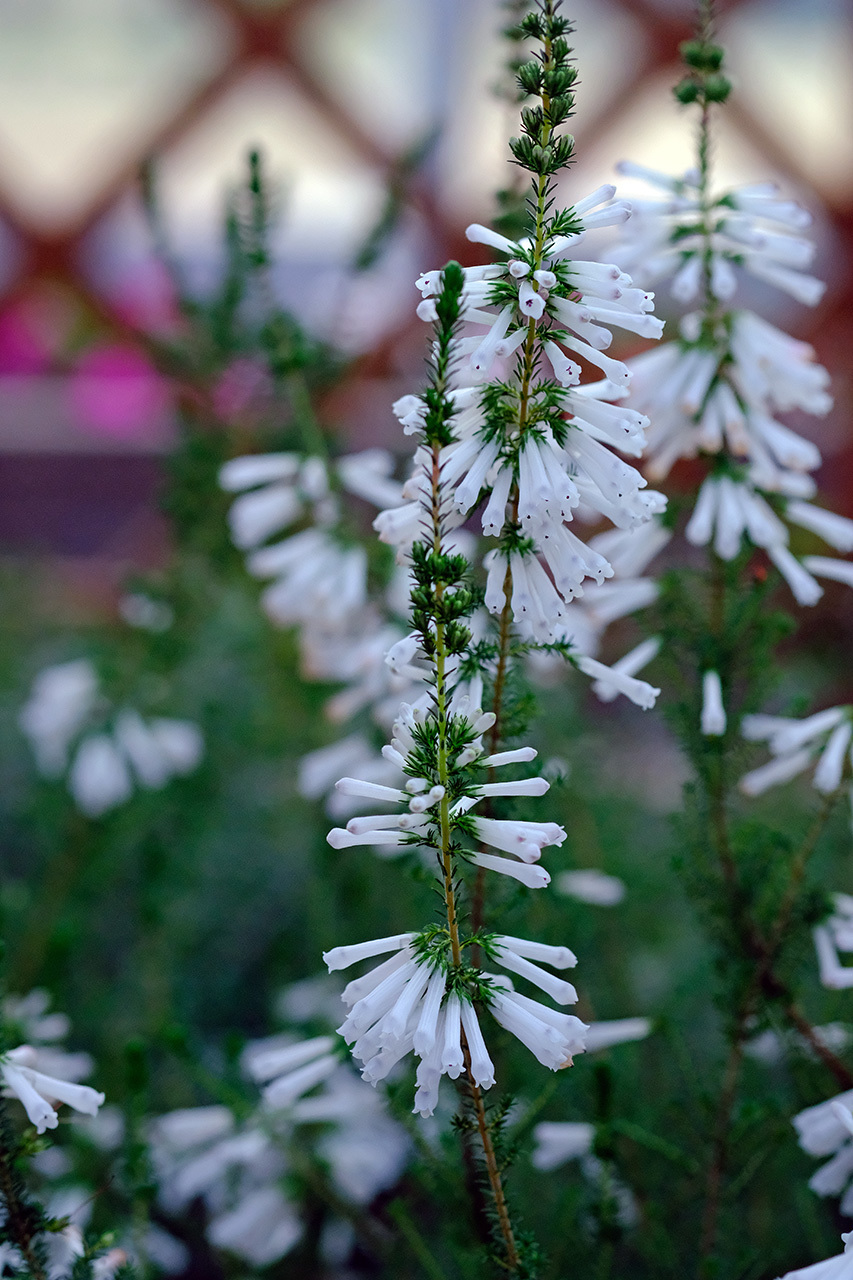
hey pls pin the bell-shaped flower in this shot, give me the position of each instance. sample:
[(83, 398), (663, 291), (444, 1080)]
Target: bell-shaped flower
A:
[(40, 1093)]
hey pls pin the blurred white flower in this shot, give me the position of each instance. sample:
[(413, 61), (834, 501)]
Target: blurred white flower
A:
[(106, 761), (713, 719), (718, 389), (140, 610), (558, 1142), (832, 938), (60, 704), (822, 740), (591, 886), (827, 1130)]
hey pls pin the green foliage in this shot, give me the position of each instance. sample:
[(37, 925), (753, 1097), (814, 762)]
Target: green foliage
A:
[(705, 83)]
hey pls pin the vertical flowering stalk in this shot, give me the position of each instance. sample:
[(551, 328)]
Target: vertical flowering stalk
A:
[(425, 997), (714, 394), (533, 443), (505, 427)]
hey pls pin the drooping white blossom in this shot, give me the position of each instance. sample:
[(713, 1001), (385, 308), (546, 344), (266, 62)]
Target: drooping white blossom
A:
[(713, 718), (592, 886), (417, 803), (833, 938), (238, 1167), (822, 740), (105, 752), (557, 1142), (40, 1093), (827, 1130), (719, 389), (60, 704), (555, 465), (405, 1004)]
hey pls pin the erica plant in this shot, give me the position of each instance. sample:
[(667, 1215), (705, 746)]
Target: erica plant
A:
[(507, 430)]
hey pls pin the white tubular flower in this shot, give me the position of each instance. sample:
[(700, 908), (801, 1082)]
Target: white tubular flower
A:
[(827, 567), (532, 877), (261, 1228), (288, 1069), (99, 779), (152, 753), (404, 1005), (740, 238), (320, 769), (59, 706), (39, 1092), (637, 691), (343, 957), (365, 1149), (416, 819), (628, 665), (591, 886), (398, 1008), (718, 392), (553, 1038), (727, 510), (515, 954), (316, 579), (353, 653), (834, 529), (272, 497), (826, 1130), (30, 1016), (524, 839), (104, 765), (557, 1142), (822, 740), (368, 476), (603, 1035), (831, 938), (159, 749), (558, 463), (201, 1152), (713, 720)]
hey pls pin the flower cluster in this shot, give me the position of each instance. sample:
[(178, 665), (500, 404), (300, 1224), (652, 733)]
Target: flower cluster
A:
[(531, 449), (426, 804), (104, 752), (239, 1168), (716, 390), (39, 1073), (421, 1000), (832, 938), (317, 580), (424, 998), (827, 1130), (822, 740), (319, 586)]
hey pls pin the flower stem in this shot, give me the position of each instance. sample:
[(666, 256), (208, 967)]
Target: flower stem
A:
[(798, 869), (21, 1215), (492, 1169), (720, 1142), (446, 857)]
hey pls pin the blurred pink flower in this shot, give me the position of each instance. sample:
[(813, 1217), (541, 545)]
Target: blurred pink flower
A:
[(116, 391)]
